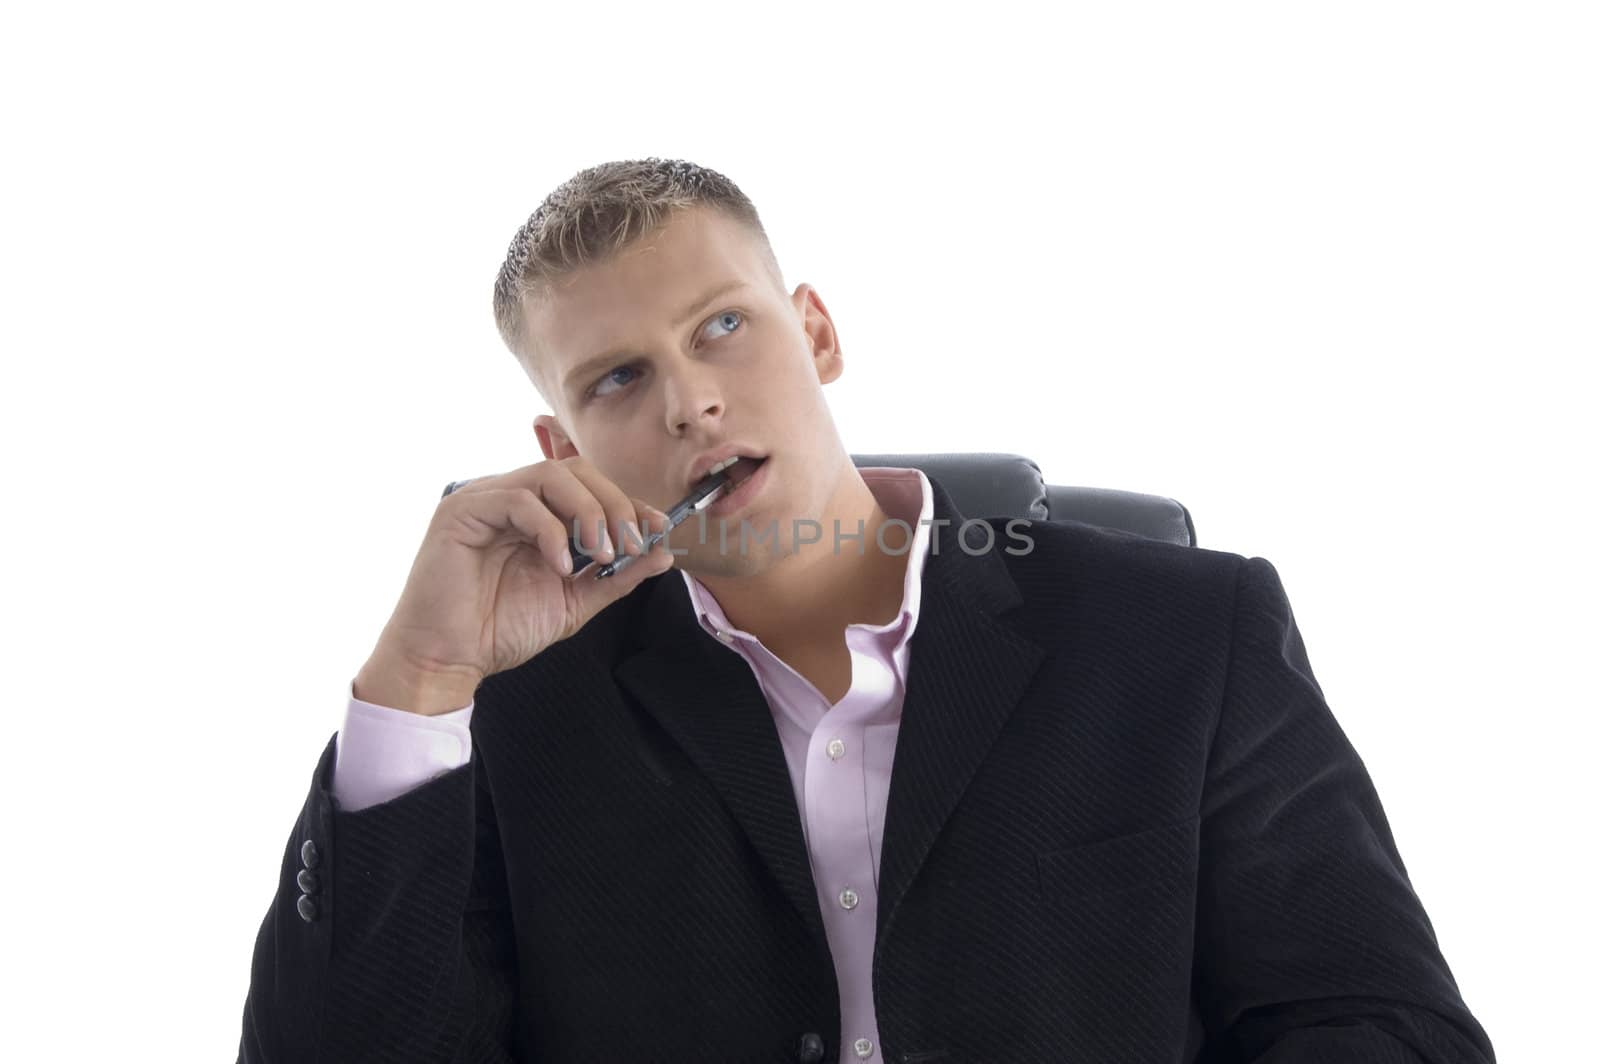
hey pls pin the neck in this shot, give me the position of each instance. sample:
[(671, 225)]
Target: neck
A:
[(812, 595)]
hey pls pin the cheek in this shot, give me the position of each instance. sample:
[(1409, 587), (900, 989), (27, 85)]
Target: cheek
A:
[(630, 467), (794, 370)]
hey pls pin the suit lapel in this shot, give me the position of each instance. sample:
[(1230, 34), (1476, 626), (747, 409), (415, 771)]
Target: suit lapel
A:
[(706, 697), (966, 674), (967, 671)]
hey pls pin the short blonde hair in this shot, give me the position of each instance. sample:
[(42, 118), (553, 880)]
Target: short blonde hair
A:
[(595, 214)]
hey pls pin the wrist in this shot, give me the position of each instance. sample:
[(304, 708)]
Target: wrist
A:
[(389, 681)]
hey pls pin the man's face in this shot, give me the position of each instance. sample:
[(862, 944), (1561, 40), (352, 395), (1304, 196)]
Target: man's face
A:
[(681, 344)]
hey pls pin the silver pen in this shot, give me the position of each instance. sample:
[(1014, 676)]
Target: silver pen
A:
[(704, 494)]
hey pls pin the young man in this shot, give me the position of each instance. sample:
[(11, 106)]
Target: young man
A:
[(854, 796)]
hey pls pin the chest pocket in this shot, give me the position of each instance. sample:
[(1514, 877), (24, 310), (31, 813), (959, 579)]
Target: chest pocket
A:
[(1120, 863)]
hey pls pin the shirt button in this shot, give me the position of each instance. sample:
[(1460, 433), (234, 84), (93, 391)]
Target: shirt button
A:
[(863, 1048), (835, 749), (848, 898), (811, 1048)]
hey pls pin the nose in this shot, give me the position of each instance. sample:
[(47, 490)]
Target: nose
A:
[(692, 398)]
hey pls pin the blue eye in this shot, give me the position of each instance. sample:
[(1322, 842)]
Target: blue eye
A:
[(736, 315), (609, 377), (599, 391)]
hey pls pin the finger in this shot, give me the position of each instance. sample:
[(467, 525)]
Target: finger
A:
[(573, 501), (595, 594), (649, 519), (516, 515), (521, 477), (621, 519)]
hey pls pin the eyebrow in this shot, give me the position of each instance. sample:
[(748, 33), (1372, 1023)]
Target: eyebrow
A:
[(581, 372)]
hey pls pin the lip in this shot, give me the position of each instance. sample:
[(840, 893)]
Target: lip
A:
[(703, 464), (731, 502)]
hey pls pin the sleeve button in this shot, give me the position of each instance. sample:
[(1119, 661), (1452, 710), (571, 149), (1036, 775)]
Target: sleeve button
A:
[(307, 907), (307, 881), (309, 855)]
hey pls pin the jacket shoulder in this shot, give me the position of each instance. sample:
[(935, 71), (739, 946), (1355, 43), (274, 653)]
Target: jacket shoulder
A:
[(1097, 560)]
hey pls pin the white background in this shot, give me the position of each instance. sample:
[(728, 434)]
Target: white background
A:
[(1327, 274)]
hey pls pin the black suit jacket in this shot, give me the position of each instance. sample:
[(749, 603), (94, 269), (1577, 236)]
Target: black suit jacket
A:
[(1122, 826)]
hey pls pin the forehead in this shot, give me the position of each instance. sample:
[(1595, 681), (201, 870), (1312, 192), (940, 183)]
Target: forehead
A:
[(642, 289)]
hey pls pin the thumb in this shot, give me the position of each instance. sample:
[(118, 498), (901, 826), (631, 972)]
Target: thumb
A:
[(595, 593)]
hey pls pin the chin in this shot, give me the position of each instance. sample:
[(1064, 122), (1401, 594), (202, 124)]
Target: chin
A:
[(710, 560)]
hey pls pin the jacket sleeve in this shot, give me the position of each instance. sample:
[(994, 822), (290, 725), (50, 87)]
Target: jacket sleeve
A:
[(389, 938), (1311, 944)]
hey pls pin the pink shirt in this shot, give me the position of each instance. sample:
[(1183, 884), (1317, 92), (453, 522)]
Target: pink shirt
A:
[(839, 755)]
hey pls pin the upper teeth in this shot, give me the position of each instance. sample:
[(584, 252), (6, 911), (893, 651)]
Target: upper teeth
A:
[(724, 464)]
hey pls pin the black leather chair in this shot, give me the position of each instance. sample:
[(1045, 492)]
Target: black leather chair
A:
[(1009, 485), (987, 484)]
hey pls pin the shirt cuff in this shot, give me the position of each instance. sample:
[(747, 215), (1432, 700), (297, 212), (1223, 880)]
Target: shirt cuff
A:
[(381, 753)]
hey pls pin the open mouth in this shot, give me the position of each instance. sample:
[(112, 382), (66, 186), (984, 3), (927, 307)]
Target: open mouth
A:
[(744, 469), (739, 468), (745, 480)]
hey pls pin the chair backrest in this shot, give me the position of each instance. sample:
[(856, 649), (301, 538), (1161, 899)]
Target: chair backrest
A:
[(986, 484)]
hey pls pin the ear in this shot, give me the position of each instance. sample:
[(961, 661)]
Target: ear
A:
[(817, 324), (553, 439)]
